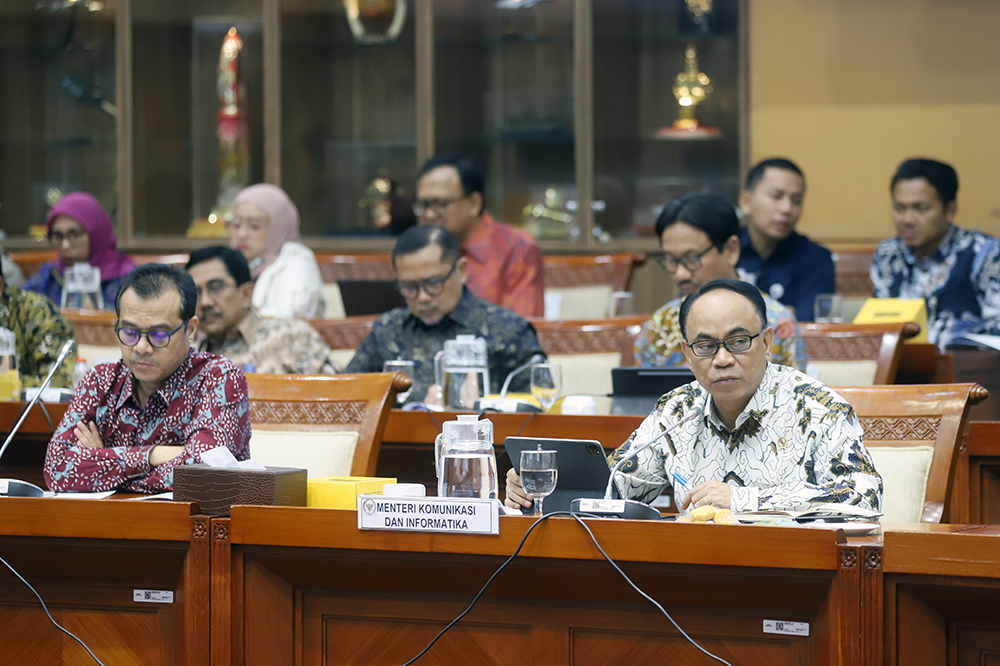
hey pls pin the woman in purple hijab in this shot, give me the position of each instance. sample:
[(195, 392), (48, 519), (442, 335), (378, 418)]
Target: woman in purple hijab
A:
[(80, 230)]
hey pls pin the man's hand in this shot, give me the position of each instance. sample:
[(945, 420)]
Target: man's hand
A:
[(516, 498), (87, 435), (161, 454), (716, 493)]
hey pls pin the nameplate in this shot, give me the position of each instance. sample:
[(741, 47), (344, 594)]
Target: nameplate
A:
[(428, 514)]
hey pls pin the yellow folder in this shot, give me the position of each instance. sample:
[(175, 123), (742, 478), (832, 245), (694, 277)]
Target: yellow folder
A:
[(893, 311)]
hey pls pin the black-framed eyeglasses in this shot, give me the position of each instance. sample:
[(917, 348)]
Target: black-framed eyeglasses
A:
[(432, 287), (159, 339), (73, 236), (690, 261), (215, 288), (436, 206), (734, 344)]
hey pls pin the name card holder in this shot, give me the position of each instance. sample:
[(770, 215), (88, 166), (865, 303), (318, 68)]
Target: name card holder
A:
[(428, 514)]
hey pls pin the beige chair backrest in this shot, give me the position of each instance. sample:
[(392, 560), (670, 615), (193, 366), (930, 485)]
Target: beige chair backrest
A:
[(854, 354), (330, 425), (579, 286), (588, 350), (344, 335), (95, 335), (914, 423)]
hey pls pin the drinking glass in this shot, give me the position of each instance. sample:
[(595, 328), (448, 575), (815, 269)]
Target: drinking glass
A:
[(621, 304), (829, 309), (407, 368), (546, 383), (538, 475)]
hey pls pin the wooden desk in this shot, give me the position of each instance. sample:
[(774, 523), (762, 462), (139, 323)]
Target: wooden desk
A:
[(408, 443), (86, 558), (308, 587), (26, 454), (941, 595), (983, 450)]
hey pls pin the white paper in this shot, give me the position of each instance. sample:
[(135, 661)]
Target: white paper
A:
[(220, 456), (160, 496), (250, 464), (93, 496)]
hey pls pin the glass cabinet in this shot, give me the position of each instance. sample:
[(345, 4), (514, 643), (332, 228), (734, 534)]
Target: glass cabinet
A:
[(58, 107), (586, 115)]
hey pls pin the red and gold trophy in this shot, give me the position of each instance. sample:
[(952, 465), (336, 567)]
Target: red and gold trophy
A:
[(234, 140), (691, 87)]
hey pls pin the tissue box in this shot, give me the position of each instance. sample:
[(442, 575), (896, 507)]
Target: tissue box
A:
[(341, 492), (216, 489)]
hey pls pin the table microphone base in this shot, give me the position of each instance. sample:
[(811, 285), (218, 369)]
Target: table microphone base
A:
[(627, 509)]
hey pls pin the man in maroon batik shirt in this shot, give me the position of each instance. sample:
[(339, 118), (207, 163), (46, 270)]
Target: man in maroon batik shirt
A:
[(130, 423)]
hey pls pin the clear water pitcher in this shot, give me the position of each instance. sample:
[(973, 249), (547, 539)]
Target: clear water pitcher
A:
[(462, 371), (466, 464)]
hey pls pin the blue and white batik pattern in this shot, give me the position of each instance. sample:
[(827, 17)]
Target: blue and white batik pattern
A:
[(960, 281), (797, 443)]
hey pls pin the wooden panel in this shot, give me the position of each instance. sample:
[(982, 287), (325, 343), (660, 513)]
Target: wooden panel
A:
[(116, 637), (331, 594)]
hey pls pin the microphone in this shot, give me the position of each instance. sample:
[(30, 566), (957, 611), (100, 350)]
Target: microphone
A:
[(623, 508), (23, 488), (534, 360), (501, 403), (691, 415)]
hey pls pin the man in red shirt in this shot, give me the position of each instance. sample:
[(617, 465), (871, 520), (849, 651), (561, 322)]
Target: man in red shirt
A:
[(163, 404), (505, 264)]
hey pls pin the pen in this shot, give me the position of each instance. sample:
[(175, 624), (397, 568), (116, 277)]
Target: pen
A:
[(680, 482)]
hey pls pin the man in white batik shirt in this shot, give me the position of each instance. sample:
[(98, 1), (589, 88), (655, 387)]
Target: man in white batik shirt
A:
[(768, 437)]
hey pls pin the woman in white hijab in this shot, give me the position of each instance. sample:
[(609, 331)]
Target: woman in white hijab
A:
[(265, 228)]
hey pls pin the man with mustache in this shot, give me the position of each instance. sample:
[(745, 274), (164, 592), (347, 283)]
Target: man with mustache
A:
[(163, 404), (700, 237), (231, 327)]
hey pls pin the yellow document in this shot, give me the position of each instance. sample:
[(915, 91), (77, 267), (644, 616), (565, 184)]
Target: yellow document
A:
[(894, 311), (341, 492)]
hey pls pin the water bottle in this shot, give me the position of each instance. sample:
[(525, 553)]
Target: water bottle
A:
[(79, 371)]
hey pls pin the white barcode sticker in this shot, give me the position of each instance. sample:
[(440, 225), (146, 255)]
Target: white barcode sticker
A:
[(786, 628), (4, 486), (153, 596)]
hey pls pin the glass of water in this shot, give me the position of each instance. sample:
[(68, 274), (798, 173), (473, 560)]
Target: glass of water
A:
[(538, 475), (407, 368), (829, 309), (546, 383)]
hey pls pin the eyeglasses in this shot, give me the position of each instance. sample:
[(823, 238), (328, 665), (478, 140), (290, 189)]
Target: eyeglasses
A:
[(432, 287), (159, 339), (690, 261), (436, 206), (73, 236), (734, 344), (252, 224), (215, 288)]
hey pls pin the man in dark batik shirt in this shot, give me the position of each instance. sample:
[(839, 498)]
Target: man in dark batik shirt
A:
[(431, 274), (956, 271)]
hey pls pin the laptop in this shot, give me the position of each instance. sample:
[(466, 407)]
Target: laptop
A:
[(636, 390), (583, 469), (369, 297)]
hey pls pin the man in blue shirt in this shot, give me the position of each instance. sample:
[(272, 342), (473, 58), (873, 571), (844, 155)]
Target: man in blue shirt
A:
[(956, 271), (783, 264)]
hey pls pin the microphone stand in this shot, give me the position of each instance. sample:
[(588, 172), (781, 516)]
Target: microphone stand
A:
[(626, 508), (67, 348)]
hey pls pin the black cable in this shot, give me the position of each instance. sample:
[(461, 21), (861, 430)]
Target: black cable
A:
[(593, 538), (46, 609), (430, 413), (525, 424)]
